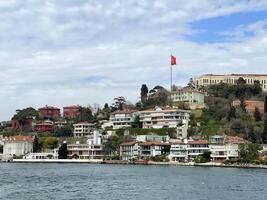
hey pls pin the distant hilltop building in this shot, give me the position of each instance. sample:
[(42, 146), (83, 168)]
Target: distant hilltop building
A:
[(212, 79), (49, 112), (71, 111)]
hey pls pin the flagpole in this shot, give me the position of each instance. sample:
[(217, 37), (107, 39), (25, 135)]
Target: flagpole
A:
[(171, 77)]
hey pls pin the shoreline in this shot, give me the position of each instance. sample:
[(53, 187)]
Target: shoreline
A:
[(121, 162)]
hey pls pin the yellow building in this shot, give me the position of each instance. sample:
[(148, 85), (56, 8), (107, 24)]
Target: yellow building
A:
[(212, 79)]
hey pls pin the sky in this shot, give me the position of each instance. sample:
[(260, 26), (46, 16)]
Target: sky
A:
[(65, 52)]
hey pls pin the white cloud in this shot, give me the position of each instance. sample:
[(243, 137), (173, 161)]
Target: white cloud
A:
[(53, 52)]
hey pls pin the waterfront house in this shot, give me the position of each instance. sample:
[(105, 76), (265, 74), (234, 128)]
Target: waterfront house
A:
[(152, 149), (164, 117), (178, 152), (196, 147), (18, 145), (122, 119), (129, 150)]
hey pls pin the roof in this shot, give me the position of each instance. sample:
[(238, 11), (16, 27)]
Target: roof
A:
[(235, 140), (234, 75), (198, 142), (154, 143), (128, 143), (19, 138), (188, 89), (123, 112), (73, 106), (84, 123), (163, 109), (49, 108), (44, 124)]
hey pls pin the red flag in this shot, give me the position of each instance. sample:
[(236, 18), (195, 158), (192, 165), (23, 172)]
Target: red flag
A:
[(173, 60)]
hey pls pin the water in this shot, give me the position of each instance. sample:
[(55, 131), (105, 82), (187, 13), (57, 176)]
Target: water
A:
[(89, 181)]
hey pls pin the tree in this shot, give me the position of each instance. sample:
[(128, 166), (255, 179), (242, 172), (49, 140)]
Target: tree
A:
[(119, 103), (37, 146), (257, 114), (85, 114), (231, 113), (264, 133), (243, 104), (265, 104), (65, 131), (136, 123), (50, 143), (240, 81), (144, 92), (63, 151), (248, 152), (1, 149)]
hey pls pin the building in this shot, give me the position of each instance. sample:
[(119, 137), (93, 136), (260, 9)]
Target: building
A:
[(122, 119), (49, 112), (93, 149), (251, 105), (44, 127), (18, 145), (212, 79), (152, 149), (83, 129), (188, 95), (71, 111), (152, 138), (178, 152), (163, 117), (196, 148), (129, 150), (224, 147), (25, 124)]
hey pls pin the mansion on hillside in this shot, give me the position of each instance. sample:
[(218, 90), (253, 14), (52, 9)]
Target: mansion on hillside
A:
[(212, 79)]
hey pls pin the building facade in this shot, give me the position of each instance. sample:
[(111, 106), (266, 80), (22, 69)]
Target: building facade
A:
[(83, 129), (44, 127), (163, 117), (122, 119), (251, 105), (189, 95), (49, 112), (18, 145), (71, 111), (212, 79)]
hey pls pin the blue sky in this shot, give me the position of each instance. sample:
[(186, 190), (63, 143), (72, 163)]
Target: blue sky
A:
[(60, 52)]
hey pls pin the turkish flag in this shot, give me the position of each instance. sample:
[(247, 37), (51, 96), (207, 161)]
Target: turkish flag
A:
[(173, 60)]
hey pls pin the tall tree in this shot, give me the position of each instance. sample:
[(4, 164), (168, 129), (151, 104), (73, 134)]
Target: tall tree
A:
[(232, 113), (240, 81), (63, 151), (119, 103), (264, 134), (144, 92), (85, 114), (37, 146), (243, 104), (265, 104), (257, 114)]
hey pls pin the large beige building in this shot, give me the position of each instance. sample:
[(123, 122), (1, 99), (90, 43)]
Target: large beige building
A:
[(212, 79), (18, 145)]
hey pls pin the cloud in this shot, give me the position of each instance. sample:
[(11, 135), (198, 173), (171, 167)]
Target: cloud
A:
[(84, 51)]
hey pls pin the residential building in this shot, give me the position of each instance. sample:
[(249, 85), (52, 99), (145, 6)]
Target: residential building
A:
[(164, 117), (25, 124), (41, 155), (251, 105), (18, 145), (122, 119), (129, 150), (71, 111), (196, 147), (178, 152), (49, 112), (152, 149), (212, 79), (93, 149), (189, 95), (44, 127), (152, 138), (83, 129)]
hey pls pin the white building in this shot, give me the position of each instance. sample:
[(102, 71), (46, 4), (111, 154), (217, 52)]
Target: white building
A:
[(129, 150), (152, 149), (212, 79), (178, 152), (122, 119), (196, 148), (93, 149), (164, 117), (18, 145), (83, 129)]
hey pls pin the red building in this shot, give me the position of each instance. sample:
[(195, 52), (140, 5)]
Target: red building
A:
[(251, 105), (44, 127), (71, 111), (49, 112), (25, 124)]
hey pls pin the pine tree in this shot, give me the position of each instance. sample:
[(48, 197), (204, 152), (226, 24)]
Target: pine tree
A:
[(37, 147), (264, 134), (144, 92), (257, 114), (265, 104), (243, 104), (63, 151)]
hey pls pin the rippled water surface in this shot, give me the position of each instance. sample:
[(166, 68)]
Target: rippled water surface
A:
[(88, 181)]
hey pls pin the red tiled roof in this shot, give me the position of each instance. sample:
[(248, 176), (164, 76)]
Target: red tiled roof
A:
[(154, 143), (73, 106), (128, 143), (123, 112), (235, 140), (49, 107), (19, 138)]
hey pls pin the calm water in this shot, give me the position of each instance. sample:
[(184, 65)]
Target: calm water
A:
[(88, 181)]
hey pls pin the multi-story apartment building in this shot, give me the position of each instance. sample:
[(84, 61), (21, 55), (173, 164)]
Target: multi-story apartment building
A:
[(188, 94), (18, 145), (178, 152), (163, 117), (129, 150), (212, 79), (196, 148), (49, 112), (83, 129), (152, 149), (121, 119), (71, 111)]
